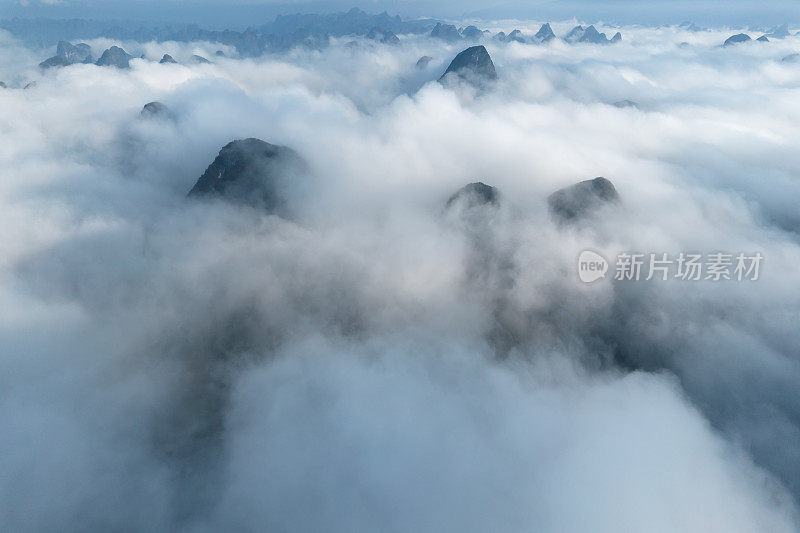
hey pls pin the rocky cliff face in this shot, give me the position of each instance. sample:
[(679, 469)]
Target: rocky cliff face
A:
[(545, 34), (252, 172), (736, 39), (446, 32), (581, 199), (115, 57), (474, 195), (473, 65), (68, 54)]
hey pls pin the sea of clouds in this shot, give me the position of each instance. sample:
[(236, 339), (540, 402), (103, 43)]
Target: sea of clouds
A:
[(380, 363)]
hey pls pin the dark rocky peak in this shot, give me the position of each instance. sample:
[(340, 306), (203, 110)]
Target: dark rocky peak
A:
[(423, 61), (68, 54), (78, 53), (3, 85), (155, 110), (736, 39), (252, 172), (167, 59), (472, 33), (545, 34), (383, 36), (579, 34), (591, 35), (55, 61), (763, 39), (63, 48), (200, 60), (446, 32), (220, 53), (474, 195), (115, 57), (581, 199), (390, 38), (473, 65), (575, 34), (515, 35)]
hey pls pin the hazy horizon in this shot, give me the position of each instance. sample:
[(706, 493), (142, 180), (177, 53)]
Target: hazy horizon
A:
[(243, 13)]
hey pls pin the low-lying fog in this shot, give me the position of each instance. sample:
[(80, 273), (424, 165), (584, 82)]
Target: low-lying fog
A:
[(379, 362)]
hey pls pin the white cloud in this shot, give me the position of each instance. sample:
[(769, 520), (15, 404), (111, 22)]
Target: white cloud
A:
[(168, 363)]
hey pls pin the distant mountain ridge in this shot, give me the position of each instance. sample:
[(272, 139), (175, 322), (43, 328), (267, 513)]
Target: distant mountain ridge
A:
[(311, 31), (285, 32)]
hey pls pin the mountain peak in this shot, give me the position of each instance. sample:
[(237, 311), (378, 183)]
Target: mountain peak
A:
[(736, 39), (545, 33), (474, 195), (581, 199), (473, 64), (115, 57), (251, 171)]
